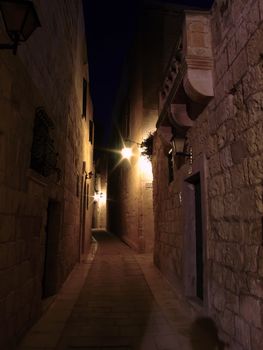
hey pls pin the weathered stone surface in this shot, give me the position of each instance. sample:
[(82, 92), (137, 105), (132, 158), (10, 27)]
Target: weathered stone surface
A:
[(241, 122), (252, 232), (230, 255), (251, 253), (239, 66), (241, 35), (250, 310), (226, 158), (221, 64), (217, 186), (232, 302), (40, 78), (252, 86), (230, 210), (229, 132), (243, 332), (214, 165), (232, 48), (219, 299), (260, 261), (259, 198), (228, 322), (238, 151), (254, 139), (255, 285), (227, 231), (255, 107), (211, 146), (255, 167), (261, 9), (256, 338), (7, 228), (255, 47), (221, 136), (247, 204), (239, 176), (228, 181), (217, 208)]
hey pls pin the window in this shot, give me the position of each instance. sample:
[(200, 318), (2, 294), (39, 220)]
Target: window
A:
[(43, 153), (91, 131), (84, 98)]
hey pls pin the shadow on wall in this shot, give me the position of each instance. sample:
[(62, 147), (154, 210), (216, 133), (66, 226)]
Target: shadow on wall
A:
[(204, 335)]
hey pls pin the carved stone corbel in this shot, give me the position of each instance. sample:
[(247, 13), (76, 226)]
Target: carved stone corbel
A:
[(179, 116), (198, 80)]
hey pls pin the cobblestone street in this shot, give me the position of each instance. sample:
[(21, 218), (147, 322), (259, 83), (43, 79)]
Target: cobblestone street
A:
[(117, 300)]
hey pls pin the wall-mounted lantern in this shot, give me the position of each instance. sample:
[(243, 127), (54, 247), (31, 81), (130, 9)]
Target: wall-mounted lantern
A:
[(126, 153), (89, 175), (20, 19), (145, 147), (99, 197), (178, 150), (178, 147)]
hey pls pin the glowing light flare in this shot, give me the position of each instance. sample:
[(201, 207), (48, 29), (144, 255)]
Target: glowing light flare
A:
[(96, 197), (103, 198), (145, 167), (100, 197), (126, 153)]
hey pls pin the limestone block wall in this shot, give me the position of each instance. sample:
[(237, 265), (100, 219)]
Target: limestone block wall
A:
[(228, 133), (133, 205), (168, 245), (47, 71), (100, 206)]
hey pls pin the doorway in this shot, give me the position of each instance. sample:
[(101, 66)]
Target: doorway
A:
[(50, 273), (83, 203), (199, 239), (195, 231)]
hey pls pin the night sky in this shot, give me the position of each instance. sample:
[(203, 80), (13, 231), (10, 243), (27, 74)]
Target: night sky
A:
[(110, 26)]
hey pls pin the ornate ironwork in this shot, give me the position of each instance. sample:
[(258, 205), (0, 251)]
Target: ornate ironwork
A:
[(43, 154)]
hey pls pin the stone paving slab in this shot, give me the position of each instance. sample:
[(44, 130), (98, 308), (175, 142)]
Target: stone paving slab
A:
[(117, 301), (45, 334)]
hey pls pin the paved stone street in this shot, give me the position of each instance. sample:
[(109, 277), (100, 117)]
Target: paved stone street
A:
[(117, 300)]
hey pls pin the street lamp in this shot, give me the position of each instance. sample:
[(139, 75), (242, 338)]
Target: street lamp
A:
[(126, 153), (99, 197), (20, 19)]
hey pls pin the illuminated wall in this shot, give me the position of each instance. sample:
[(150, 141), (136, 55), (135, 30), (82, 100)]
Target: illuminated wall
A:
[(100, 203), (136, 112), (44, 218)]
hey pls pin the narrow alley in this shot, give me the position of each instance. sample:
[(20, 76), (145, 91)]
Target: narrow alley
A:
[(121, 302), (131, 174)]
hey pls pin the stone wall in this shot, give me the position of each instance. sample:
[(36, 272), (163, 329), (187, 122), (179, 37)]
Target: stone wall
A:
[(131, 182), (100, 210), (229, 134), (47, 71)]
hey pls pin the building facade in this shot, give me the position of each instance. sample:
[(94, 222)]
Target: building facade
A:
[(207, 168), (46, 151), (100, 206), (136, 113)]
